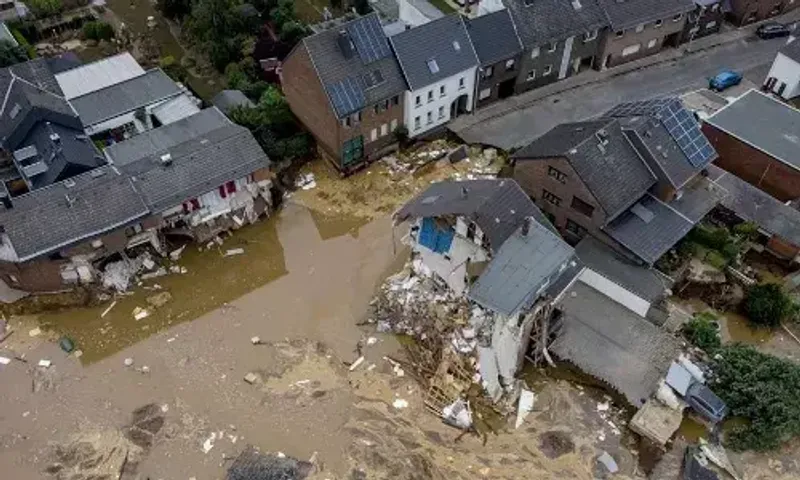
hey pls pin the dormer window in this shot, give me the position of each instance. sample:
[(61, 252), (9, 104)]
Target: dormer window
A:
[(552, 47), (602, 137), (456, 45), (589, 36), (433, 66), (677, 17)]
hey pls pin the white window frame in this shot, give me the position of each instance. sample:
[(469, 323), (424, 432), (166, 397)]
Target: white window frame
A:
[(393, 125), (485, 93), (677, 18), (640, 28), (418, 101), (658, 23), (373, 135), (384, 129), (429, 118), (441, 112), (488, 71), (631, 50), (547, 70), (589, 36), (534, 52), (442, 91), (430, 96), (510, 64), (552, 46), (462, 84), (531, 75), (417, 123)]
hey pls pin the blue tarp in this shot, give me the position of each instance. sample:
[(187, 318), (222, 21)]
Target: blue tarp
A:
[(435, 237)]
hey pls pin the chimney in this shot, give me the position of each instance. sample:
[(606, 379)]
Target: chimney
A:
[(166, 159), (526, 226), (345, 44)]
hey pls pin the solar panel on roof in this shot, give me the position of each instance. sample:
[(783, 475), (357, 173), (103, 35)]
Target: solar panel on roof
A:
[(684, 129), (346, 95), (369, 39)]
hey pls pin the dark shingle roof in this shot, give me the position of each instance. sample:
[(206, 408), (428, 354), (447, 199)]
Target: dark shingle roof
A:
[(764, 123), (542, 21), (444, 41), (610, 342), (614, 173), (74, 153), (646, 282), (226, 100), (344, 78), (629, 13), (494, 37), (659, 150), (792, 50), (125, 97), (38, 73), (498, 206), (521, 269), (757, 206), (26, 104), (71, 211), (202, 159), (649, 228)]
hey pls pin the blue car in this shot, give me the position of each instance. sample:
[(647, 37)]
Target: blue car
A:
[(724, 79)]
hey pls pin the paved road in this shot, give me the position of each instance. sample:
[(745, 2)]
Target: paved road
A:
[(518, 127)]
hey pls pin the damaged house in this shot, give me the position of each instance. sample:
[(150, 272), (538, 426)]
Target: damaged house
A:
[(196, 177), (485, 239)]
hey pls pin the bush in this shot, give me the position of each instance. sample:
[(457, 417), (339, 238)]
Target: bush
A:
[(747, 230), (98, 31), (767, 304), (716, 259), (763, 390), (24, 43), (703, 332), (45, 8), (11, 54)]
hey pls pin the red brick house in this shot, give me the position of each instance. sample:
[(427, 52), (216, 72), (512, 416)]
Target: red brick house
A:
[(758, 140), (346, 86)]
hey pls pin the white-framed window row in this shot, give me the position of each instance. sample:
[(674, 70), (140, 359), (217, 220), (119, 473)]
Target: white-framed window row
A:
[(384, 129), (373, 135), (589, 36)]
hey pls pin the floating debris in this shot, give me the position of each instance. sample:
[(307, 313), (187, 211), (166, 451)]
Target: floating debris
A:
[(251, 378), (108, 309), (358, 362), (399, 403), (35, 332), (128, 362), (234, 251), (306, 181), (256, 341), (140, 313), (45, 363), (526, 400)]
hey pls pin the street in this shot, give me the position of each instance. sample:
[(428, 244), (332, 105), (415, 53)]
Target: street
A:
[(516, 128)]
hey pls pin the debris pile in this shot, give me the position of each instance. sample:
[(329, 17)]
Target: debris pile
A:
[(252, 464), (120, 275)]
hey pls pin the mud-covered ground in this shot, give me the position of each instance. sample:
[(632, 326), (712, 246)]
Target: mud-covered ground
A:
[(182, 410)]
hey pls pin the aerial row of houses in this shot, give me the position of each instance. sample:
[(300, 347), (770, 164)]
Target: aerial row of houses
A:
[(590, 208), (100, 159), (355, 82)]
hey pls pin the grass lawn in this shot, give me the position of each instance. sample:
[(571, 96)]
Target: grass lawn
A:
[(443, 6)]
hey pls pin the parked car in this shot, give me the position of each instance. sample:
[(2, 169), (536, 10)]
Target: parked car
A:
[(724, 79), (705, 402), (773, 30)]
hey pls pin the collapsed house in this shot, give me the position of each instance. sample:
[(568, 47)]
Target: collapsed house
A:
[(196, 177), (486, 241)]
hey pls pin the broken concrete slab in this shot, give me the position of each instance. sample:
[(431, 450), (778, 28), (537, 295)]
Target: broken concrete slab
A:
[(251, 378), (656, 421), (140, 313), (608, 461), (525, 406), (233, 251)]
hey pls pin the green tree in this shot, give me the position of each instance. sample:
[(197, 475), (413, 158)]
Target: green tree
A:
[(175, 9), (703, 332), (11, 54), (45, 8), (767, 304), (761, 389), (292, 32), (218, 30), (98, 31)]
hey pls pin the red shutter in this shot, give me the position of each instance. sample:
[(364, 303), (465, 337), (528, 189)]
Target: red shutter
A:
[(230, 187), (222, 191)]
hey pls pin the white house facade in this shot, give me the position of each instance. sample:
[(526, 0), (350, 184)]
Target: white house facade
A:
[(783, 78), (436, 104)]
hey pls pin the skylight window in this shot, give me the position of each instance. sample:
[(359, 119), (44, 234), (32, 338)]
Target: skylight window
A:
[(456, 45), (433, 66)]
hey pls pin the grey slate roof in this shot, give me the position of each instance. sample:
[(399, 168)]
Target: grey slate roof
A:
[(613, 344), (203, 158), (68, 212), (629, 13), (521, 269), (544, 21), (652, 140), (444, 41), (344, 78), (494, 37), (498, 206), (125, 97), (644, 281), (615, 174), (226, 100), (792, 50), (74, 153), (754, 205), (763, 123), (38, 73), (649, 229)]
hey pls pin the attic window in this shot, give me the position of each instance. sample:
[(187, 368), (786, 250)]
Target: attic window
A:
[(14, 111), (433, 66), (373, 78), (456, 45), (602, 137), (576, 4), (642, 212)]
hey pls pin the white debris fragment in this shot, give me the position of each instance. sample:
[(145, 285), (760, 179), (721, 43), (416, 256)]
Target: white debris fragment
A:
[(458, 414), (306, 181), (358, 362), (399, 403), (158, 273), (35, 332), (108, 309), (148, 263), (5, 360), (606, 459), (372, 341), (45, 363), (526, 400), (128, 362), (209, 443), (144, 369), (170, 339), (234, 251), (175, 255), (140, 313), (255, 340), (25, 414), (603, 406), (251, 378), (165, 408)]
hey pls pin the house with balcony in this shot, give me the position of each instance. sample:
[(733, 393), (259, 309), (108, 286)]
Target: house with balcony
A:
[(347, 88), (440, 65), (631, 179), (560, 38), (639, 28), (499, 50)]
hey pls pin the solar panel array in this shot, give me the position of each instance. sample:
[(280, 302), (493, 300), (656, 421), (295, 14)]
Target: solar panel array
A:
[(686, 132), (680, 124), (347, 96), (369, 39)]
